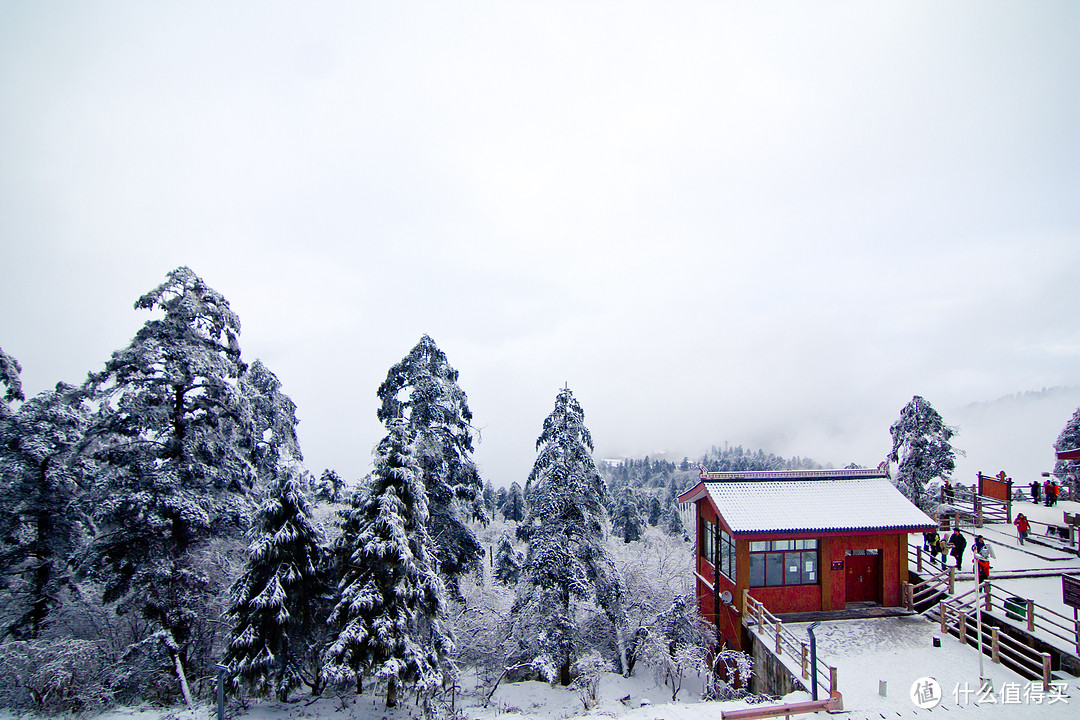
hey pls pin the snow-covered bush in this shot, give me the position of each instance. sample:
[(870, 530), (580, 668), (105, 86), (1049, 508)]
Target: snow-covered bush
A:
[(588, 670), (54, 676), (730, 668)]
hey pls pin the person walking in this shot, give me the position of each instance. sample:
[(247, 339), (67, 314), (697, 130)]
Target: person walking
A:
[(1046, 491), (1035, 487), (947, 493), (983, 552), (959, 545), (932, 542), (1023, 527), (1055, 490)]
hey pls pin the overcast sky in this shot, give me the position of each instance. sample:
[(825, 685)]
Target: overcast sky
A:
[(763, 223)]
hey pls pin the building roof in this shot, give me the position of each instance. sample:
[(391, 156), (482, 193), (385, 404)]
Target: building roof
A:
[(809, 501)]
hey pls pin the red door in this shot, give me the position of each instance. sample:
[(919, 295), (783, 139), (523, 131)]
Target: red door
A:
[(863, 578)]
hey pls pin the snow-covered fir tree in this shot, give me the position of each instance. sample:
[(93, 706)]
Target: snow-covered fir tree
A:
[(671, 523), (1068, 471), (40, 516), (626, 521), (423, 390), (566, 560), (514, 507), (508, 562), (10, 371), (174, 438), (921, 447), (330, 486), (274, 413), (280, 600), (388, 623)]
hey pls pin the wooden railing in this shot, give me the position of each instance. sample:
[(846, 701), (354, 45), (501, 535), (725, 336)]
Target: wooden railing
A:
[(975, 509), (959, 616), (1035, 616), (833, 704), (770, 627)]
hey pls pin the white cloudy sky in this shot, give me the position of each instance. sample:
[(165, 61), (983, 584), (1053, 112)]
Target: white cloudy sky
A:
[(764, 223)]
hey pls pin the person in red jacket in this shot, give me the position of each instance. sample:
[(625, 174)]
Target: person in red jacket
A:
[(1023, 527)]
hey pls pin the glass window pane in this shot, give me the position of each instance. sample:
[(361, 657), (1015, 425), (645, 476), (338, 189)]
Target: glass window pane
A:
[(781, 545), (758, 546), (792, 571), (757, 570), (810, 567), (731, 560), (774, 568)]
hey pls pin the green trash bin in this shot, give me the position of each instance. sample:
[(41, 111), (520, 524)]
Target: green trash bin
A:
[(1016, 608)]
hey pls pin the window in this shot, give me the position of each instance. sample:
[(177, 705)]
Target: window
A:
[(783, 562), (726, 557)]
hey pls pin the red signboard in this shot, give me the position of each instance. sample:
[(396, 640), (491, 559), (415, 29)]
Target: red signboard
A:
[(1070, 590), (1069, 454)]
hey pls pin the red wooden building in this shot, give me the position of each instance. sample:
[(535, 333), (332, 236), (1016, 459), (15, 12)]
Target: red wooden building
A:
[(801, 541)]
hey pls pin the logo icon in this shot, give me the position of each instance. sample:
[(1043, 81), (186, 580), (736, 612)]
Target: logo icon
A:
[(926, 693)]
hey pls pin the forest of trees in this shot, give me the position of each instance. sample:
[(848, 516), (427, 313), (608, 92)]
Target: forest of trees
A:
[(158, 519)]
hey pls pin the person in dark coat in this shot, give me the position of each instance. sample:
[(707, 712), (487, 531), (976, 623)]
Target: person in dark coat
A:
[(959, 545), (1035, 487), (947, 492), (1047, 489)]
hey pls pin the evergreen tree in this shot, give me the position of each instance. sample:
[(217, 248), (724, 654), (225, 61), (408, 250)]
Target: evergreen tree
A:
[(40, 518), (276, 447), (500, 498), (514, 507), (174, 436), (627, 520), (508, 562), (331, 486), (489, 498), (277, 601), (388, 622), (920, 444), (656, 510), (423, 390), (1068, 471), (9, 377), (672, 523), (566, 559)]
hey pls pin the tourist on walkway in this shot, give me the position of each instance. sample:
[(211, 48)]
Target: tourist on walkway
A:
[(983, 553), (959, 545), (1023, 527), (1035, 487), (1047, 490), (933, 543)]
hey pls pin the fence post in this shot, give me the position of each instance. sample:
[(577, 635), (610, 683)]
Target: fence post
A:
[(805, 661), (988, 604), (832, 682), (1031, 615), (1077, 631), (994, 648), (942, 607), (962, 627), (779, 650), (952, 580), (746, 601), (918, 559), (1046, 671)]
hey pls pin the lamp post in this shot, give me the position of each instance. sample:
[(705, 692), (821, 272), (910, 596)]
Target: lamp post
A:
[(813, 660), (221, 670)]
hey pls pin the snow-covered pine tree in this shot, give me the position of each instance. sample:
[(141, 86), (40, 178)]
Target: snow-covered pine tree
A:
[(423, 390), (389, 619), (656, 510), (920, 446), (9, 377), (508, 562), (40, 519), (279, 601), (1068, 471), (672, 523), (331, 486), (627, 518), (514, 507), (277, 448), (567, 559), (174, 439)]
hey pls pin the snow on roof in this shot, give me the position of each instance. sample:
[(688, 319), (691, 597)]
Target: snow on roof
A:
[(813, 501)]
